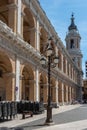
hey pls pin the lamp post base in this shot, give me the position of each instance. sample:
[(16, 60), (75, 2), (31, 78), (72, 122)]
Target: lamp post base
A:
[(49, 123), (49, 120)]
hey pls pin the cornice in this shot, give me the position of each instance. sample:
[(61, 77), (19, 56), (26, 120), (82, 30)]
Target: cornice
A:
[(12, 6)]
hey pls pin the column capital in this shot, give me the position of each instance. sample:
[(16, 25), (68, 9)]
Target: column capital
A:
[(9, 74), (12, 6)]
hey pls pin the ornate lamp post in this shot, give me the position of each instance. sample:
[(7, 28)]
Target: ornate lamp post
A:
[(50, 61)]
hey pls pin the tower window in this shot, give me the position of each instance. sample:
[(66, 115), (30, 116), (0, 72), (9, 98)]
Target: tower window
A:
[(0, 73), (72, 43), (73, 59), (77, 44)]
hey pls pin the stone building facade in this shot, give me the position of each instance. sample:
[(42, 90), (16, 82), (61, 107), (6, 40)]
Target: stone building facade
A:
[(24, 30), (84, 88)]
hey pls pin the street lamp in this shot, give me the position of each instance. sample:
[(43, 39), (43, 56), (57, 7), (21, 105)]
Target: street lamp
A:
[(50, 61)]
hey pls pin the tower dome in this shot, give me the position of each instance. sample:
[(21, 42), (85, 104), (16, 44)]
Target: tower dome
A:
[(72, 25)]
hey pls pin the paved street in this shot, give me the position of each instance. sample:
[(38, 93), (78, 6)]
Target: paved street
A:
[(74, 117)]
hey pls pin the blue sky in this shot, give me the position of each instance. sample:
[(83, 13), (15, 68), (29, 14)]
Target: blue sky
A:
[(59, 13)]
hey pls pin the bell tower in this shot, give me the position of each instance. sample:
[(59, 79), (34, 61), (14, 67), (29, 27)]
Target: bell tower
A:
[(73, 43), (73, 47)]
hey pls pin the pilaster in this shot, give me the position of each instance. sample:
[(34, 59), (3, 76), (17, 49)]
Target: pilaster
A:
[(66, 66), (37, 35), (17, 87), (62, 93), (12, 16), (62, 62), (19, 14), (70, 95), (37, 85), (67, 94), (56, 92)]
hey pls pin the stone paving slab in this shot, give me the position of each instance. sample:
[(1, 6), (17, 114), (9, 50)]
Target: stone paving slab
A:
[(19, 121), (78, 125)]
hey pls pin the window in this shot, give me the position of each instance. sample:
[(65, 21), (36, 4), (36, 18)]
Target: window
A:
[(73, 59), (0, 73), (72, 43)]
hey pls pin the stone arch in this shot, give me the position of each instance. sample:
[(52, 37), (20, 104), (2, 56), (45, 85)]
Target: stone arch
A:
[(5, 77), (29, 27), (27, 89), (60, 60)]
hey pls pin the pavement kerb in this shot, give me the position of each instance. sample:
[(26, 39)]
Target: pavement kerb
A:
[(19, 121)]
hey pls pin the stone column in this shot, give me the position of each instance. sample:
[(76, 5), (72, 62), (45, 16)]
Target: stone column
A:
[(70, 95), (75, 76), (62, 93), (56, 92), (19, 17), (17, 87), (69, 71), (37, 85), (66, 68), (62, 62), (22, 20), (56, 51), (72, 73), (67, 94), (12, 15), (37, 35), (57, 55)]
